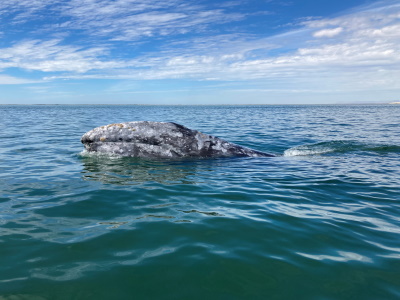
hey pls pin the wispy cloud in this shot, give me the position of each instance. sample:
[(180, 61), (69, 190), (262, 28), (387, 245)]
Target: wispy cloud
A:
[(51, 56), (366, 43), (5, 79), (119, 20), (330, 32), (361, 48), (346, 51), (126, 20)]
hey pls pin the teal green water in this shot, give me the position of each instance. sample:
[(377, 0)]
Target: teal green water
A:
[(319, 221)]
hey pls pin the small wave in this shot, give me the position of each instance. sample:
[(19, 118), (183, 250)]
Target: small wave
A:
[(339, 147)]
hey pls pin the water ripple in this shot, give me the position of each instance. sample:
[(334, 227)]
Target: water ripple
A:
[(93, 227)]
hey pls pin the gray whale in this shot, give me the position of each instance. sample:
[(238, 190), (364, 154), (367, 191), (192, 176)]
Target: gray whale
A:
[(160, 140)]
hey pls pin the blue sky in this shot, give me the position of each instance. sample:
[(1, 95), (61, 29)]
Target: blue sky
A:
[(199, 52)]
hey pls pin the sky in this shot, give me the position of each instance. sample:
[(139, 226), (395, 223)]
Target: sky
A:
[(199, 52)]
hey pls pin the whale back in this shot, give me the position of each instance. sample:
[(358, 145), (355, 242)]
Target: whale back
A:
[(159, 140)]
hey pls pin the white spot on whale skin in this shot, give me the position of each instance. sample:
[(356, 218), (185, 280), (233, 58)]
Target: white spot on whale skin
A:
[(200, 140)]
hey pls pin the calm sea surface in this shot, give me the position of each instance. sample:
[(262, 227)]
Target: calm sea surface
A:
[(321, 220)]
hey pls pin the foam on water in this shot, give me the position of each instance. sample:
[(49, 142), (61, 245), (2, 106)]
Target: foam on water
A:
[(85, 153), (338, 147)]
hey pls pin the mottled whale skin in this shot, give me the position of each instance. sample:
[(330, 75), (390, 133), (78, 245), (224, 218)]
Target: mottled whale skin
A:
[(160, 140)]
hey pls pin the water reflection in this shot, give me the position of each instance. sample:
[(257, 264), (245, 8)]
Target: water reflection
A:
[(129, 171)]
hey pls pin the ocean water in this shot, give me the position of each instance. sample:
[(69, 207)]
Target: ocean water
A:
[(321, 220)]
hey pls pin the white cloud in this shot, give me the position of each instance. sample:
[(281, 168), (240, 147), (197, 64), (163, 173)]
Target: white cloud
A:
[(118, 20), (354, 51), (328, 32), (5, 79), (392, 31), (51, 56), (366, 42)]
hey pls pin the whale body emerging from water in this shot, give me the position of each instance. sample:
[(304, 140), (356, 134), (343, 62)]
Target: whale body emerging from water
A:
[(160, 140)]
